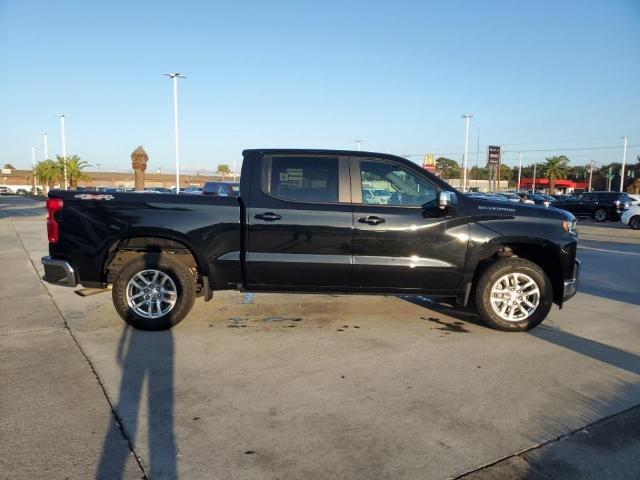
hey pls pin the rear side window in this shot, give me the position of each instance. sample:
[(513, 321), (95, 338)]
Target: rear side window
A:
[(304, 179)]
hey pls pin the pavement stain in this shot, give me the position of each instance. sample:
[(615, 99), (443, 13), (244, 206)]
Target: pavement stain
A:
[(447, 327)]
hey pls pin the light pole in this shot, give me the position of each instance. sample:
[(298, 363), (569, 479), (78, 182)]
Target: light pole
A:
[(590, 174), (466, 117), (175, 77), (624, 161), (519, 172), (33, 164), (533, 186), (62, 116), (359, 142), (46, 145)]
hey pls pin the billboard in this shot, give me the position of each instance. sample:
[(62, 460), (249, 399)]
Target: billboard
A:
[(429, 162)]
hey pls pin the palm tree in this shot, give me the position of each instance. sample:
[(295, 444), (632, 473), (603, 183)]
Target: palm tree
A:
[(224, 170), (556, 168), (139, 160), (48, 173), (75, 167)]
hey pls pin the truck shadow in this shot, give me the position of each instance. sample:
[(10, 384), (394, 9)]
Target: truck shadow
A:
[(143, 356)]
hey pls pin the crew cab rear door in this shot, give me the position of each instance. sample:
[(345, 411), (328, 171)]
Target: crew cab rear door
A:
[(407, 243), (299, 222)]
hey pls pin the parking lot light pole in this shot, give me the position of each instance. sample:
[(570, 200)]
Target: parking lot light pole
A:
[(46, 145), (624, 161), (33, 164), (519, 172), (62, 116), (590, 174), (359, 142), (175, 76), (466, 117), (533, 186)]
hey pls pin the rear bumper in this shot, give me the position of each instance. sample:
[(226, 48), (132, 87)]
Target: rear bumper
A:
[(571, 285), (59, 272)]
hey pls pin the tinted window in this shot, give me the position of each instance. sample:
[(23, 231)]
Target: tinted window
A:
[(305, 179), (394, 185)]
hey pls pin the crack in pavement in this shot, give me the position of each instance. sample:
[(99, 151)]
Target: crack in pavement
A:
[(117, 418)]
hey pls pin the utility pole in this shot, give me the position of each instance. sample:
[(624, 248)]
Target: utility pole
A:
[(46, 146), (466, 117), (533, 187), (62, 116), (609, 177), (590, 174), (175, 77), (477, 161), (519, 172), (33, 164), (624, 161)]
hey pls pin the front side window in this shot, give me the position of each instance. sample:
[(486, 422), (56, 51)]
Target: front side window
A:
[(393, 185), (304, 179)]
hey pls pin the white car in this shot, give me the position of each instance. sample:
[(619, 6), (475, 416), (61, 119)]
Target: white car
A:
[(631, 217), (635, 199)]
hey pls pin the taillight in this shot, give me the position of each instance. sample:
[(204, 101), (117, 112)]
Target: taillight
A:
[(53, 205)]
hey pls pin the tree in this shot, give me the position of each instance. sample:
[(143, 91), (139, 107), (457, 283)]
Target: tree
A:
[(48, 173), (556, 168), (139, 160), (75, 167), (223, 169), (448, 168), (9, 166)]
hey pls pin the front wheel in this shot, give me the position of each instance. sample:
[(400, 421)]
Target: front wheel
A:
[(154, 292), (514, 295), (634, 222), (600, 215)]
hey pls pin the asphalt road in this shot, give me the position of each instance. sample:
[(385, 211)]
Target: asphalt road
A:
[(270, 386)]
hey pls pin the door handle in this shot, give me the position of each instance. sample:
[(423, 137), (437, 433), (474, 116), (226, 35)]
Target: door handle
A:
[(268, 216), (371, 220)]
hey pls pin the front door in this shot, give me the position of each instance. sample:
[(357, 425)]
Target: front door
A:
[(300, 222), (402, 240)]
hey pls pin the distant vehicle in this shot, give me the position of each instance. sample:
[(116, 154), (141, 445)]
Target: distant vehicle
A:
[(631, 217), (192, 190), (5, 191), (539, 199), (524, 198), (599, 205), (221, 189), (375, 196), (512, 197), (635, 199), (22, 191)]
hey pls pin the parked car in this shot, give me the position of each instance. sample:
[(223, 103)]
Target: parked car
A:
[(635, 198), (599, 205), (512, 197), (301, 224), (22, 191), (5, 191), (220, 189), (631, 217)]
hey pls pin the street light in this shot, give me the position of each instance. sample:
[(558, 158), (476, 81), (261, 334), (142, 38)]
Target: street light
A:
[(466, 117), (519, 172), (359, 142), (46, 145), (175, 77), (33, 164), (62, 116), (624, 161)]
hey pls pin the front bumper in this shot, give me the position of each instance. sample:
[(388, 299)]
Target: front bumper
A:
[(59, 272), (571, 285)]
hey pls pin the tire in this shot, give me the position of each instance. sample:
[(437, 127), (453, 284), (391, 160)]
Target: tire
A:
[(600, 215), (523, 317), (176, 295), (634, 222)]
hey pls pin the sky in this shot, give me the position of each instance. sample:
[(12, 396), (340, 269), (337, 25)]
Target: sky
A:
[(543, 77)]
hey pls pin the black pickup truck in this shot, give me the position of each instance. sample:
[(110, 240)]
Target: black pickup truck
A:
[(302, 224)]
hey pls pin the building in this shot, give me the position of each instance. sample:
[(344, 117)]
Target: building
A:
[(563, 186)]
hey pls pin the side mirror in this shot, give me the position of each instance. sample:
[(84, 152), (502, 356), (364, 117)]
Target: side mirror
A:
[(446, 199)]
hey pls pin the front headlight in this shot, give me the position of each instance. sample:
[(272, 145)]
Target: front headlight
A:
[(569, 226)]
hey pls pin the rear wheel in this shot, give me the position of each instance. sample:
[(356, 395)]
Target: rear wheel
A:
[(154, 292), (634, 222), (600, 215), (514, 294)]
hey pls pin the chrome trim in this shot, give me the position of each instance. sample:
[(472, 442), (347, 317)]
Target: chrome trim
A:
[(297, 258), (571, 286), (411, 262), (69, 279)]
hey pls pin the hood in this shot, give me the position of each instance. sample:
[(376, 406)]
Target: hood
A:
[(482, 206)]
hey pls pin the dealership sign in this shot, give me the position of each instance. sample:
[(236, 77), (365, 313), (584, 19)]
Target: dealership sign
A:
[(493, 155)]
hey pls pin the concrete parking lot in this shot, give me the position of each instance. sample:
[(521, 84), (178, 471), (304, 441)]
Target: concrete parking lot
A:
[(266, 386)]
